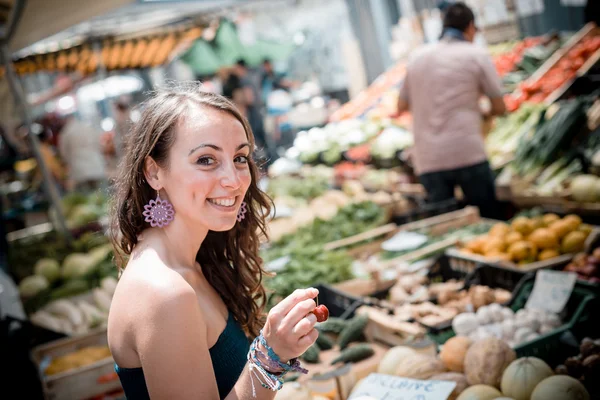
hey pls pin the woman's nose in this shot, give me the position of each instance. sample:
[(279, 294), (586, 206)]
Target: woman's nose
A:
[(230, 178)]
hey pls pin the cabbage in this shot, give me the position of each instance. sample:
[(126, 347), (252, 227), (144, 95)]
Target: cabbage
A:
[(584, 188), (33, 285), (100, 253), (48, 268), (77, 265)]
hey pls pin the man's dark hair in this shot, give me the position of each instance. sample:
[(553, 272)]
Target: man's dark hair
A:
[(266, 61), (458, 16), (242, 63)]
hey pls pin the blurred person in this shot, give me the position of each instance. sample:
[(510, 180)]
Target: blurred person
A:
[(122, 114), (442, 88), (49, 154), (190, 294), (272, 80), (81, 150), (246, 94)]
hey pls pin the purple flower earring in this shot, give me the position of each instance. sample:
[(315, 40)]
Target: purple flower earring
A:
[(242, 212), (158, 212)]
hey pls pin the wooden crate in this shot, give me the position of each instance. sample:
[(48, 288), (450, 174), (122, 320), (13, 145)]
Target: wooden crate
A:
[(80, 383), (464, 262)]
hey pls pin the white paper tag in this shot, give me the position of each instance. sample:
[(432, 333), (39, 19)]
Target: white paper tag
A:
[(386, 387), (551, 290), (527, 8)]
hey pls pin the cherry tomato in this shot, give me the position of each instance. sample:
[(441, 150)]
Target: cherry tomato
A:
[(322, 313)]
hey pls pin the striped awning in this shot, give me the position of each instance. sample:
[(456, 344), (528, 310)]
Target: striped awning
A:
[(114, 54)]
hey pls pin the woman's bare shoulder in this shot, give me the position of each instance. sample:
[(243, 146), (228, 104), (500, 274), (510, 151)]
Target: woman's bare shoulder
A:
[(148, 293)]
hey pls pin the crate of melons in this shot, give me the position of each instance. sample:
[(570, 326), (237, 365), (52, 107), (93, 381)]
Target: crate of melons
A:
[(525, 243)]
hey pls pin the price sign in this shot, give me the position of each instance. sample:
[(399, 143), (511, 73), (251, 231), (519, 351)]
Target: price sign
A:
[(386, 387), (551, 290)]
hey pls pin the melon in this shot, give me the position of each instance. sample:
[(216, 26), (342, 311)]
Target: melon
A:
[(419, 366), (522, 376), (561, 387), (393, 358), (454, 351), (486, 361), (460, 379), (480, 392)]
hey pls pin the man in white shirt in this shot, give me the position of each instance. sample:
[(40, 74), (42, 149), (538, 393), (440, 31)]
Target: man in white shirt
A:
[(80, 149)]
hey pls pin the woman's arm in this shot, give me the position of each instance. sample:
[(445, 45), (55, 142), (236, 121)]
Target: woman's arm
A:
[(289, 331), (174, 351)]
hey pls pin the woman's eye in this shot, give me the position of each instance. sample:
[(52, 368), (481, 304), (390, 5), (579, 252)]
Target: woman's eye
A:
[(205, 161), (241, 159)]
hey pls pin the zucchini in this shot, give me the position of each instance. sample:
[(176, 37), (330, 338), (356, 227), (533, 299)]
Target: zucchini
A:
[(311, 355), (353, 330), (354, 354), (332, 325), (324, 342)]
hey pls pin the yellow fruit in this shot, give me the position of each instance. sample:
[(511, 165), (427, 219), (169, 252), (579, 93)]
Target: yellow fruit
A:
[(538, 222), (575, 219), (522, 250), (585, 228), (560, 228), (512, 237), (522, 225), (550, 218), (574, 242), (476, 245), (493, 244), (543, 238), (548, 253), (499, 230)]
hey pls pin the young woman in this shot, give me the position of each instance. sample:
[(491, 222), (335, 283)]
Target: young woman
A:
[(187, 219)]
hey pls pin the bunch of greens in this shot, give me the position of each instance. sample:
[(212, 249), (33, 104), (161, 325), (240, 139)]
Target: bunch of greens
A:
[(350, 220), (308, 264), (307, 267), (306, 188)]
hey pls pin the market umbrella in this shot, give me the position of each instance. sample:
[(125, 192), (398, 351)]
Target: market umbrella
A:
[(202, 58)]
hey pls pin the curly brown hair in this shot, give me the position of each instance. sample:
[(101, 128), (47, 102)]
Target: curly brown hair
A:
[(229, 260)]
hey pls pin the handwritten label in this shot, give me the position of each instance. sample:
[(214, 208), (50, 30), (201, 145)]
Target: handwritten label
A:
[(386, 387), (551, 290)]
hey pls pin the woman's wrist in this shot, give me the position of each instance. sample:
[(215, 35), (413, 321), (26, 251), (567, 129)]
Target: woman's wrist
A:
[(271, 366)]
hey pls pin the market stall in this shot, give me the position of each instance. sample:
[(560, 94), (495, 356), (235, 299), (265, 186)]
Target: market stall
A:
[(418, 295)]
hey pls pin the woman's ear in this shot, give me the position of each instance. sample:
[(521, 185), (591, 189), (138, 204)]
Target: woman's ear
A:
[(151, 170)]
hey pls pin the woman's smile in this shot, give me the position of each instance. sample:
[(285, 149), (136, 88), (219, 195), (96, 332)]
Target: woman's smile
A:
[(224, 203)]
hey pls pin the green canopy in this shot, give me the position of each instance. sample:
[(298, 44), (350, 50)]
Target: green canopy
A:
[(206, 58)]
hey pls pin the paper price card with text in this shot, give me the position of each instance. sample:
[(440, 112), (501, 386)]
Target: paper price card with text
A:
[(551, 290), (386, 387)]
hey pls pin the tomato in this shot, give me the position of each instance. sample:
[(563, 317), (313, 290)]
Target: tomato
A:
[(538, 98), (322, 313), (578, 63)]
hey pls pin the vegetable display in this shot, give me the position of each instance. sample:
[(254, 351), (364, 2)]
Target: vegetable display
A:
[(562, 72), (587, 266), (527, 240)]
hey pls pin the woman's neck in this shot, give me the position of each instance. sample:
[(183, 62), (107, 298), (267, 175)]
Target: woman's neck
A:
[(180, 241)]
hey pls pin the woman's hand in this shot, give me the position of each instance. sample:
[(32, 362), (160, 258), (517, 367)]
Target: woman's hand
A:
[(290, 327)]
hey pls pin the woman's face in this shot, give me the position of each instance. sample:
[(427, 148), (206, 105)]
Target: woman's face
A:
[(208, 173)]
